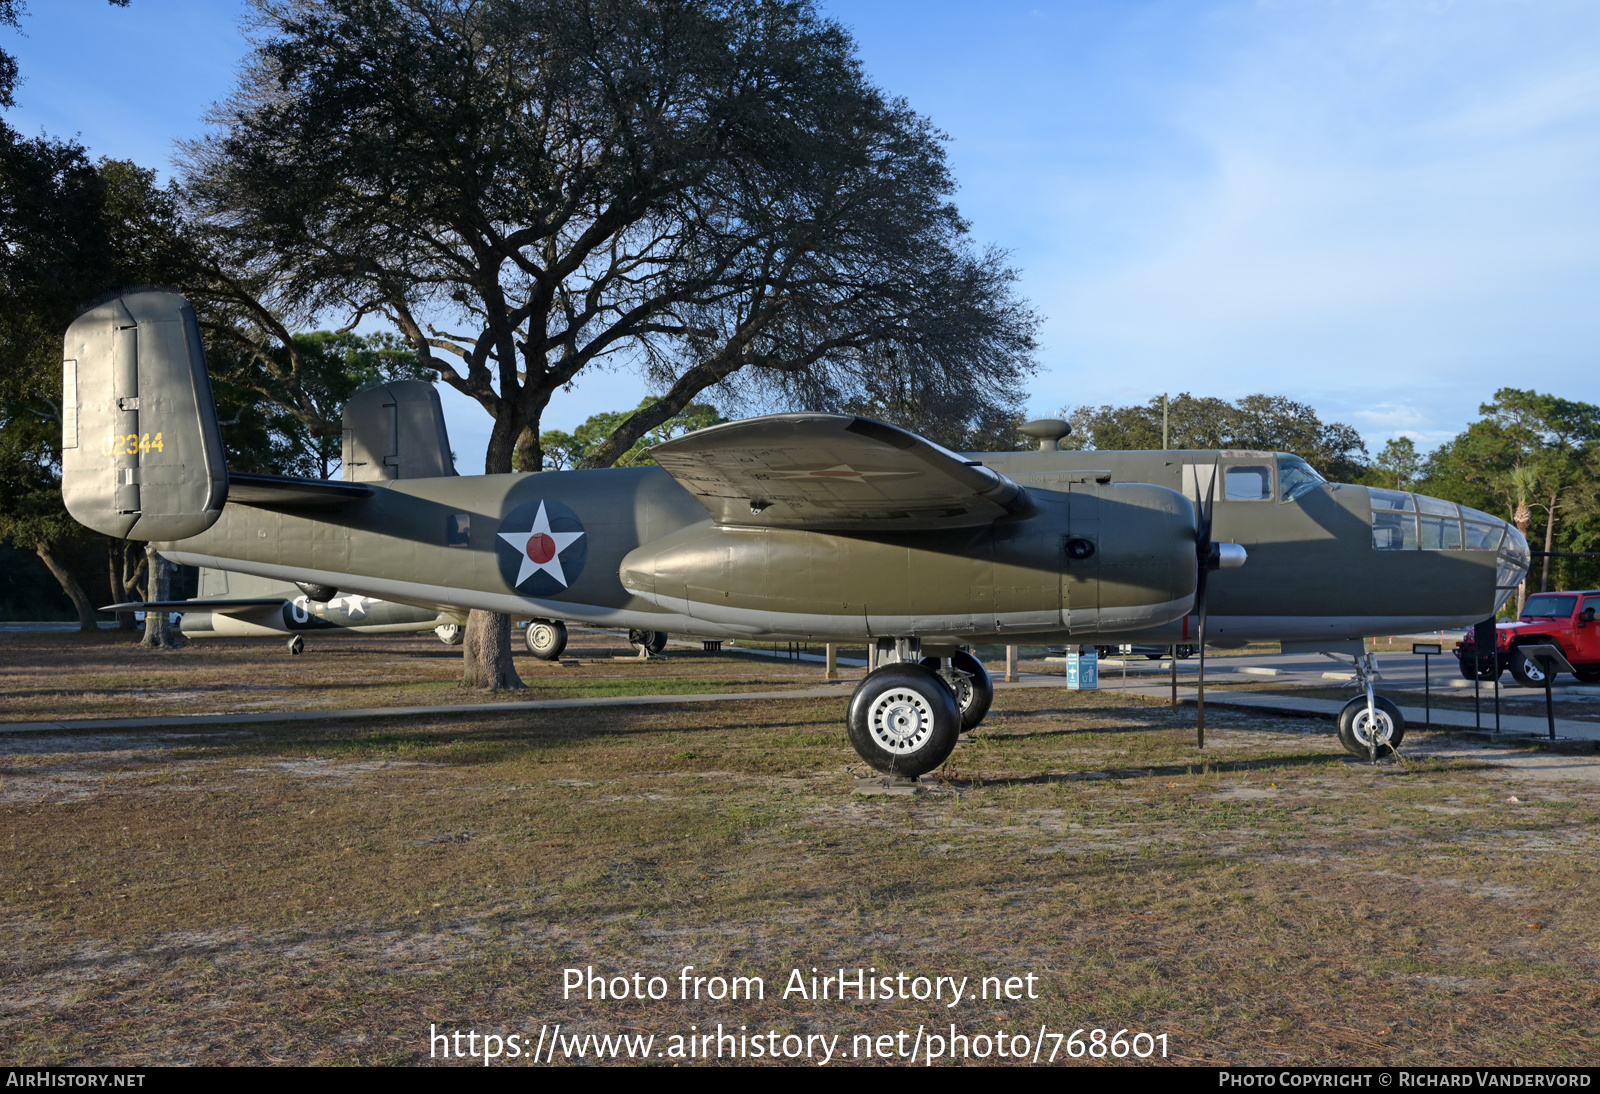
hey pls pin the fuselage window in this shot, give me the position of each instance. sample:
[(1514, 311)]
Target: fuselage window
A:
[(1394, 520), (1248, 483), (1296, 477), (1393, 531)]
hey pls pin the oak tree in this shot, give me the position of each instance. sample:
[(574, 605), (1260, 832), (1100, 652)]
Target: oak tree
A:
[(708, 192)]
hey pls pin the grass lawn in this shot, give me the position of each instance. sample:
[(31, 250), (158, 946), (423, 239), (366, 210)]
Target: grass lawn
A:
[(324, 893)]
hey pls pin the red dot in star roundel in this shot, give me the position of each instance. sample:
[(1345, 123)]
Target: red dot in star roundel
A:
[(541, 548)]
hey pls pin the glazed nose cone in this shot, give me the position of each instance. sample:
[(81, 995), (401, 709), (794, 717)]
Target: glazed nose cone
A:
[(1512, 567)]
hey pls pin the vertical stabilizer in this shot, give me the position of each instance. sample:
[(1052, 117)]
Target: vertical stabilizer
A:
[(395, 430), (141, 451)]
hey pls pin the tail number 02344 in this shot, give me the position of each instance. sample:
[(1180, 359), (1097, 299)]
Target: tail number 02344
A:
[(127, 444)]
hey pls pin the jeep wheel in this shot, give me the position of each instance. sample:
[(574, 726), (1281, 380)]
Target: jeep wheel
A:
[(1525, 670)]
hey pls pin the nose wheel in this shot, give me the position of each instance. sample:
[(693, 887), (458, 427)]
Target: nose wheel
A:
[(296, 645)]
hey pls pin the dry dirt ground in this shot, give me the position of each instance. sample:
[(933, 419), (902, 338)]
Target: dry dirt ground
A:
[(50, 675), (327, 893)]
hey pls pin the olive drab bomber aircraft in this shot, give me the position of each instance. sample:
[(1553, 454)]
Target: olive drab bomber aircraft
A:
[(804, 526)]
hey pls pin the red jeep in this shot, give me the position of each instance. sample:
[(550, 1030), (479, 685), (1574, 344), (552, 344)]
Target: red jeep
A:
[(1565, 619)]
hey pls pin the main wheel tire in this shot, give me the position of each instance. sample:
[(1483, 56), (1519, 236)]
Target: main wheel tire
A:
[(296, 645), (1473, 669), (1357, 730), (1587, 674), (1185, 652), (972, 687), (545, 638), (1525, 670), (451, 634), (904, 720), (647, 641)]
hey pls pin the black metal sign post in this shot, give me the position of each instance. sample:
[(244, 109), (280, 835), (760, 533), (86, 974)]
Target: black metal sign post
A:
[(1427, 650), (1549, 658), (1484, 637)]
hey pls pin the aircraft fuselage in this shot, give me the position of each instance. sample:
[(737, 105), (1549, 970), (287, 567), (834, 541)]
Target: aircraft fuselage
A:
[(630, 547)]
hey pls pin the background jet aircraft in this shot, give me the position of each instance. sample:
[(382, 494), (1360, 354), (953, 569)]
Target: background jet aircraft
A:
[(234, 605), (810, 526)]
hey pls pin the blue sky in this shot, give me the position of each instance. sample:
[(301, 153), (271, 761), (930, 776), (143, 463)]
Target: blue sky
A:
[(1385, 209)]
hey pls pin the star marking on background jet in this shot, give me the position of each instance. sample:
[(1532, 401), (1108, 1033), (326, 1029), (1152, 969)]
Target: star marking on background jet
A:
[(839, 471), (353, 606), (541, 548)]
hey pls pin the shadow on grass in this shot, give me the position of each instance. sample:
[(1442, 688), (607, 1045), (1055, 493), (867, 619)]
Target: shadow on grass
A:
[(1207, 767)]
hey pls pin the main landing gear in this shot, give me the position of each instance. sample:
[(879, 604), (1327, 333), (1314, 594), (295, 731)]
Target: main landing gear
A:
[(647, 643), (907, 715), (1370, 725), (545, 638)]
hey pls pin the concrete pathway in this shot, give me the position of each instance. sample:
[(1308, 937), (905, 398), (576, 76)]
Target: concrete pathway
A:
[(1143, 686)]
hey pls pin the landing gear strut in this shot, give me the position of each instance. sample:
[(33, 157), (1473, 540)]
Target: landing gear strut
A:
[(969, 681), (1369, 724)]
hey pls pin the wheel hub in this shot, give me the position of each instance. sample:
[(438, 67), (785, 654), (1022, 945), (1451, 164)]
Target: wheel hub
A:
[(1366, 722), (901, 721)]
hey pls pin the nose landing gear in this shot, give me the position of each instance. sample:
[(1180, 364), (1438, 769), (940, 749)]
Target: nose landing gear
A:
[(1370, 725)]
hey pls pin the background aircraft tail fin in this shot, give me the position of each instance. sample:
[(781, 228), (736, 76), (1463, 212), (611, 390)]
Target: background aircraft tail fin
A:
[(142, 454)]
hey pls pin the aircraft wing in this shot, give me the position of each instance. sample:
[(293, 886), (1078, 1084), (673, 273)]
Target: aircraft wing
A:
[(285, 492), (221, 607), (834, 472)]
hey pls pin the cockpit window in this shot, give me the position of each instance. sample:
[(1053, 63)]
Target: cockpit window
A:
[(1248, 482), (1296, 477), (1394, 500), (1545, 606)]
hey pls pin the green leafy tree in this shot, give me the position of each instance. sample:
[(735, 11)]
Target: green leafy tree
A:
[(260, 424), (1269, 423), (564, 451), (70, 230), (1399, 465), (1532, 459)]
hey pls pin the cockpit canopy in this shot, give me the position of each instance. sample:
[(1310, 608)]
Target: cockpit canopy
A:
[(1416, 522), (1410, 522), (1296, 477)]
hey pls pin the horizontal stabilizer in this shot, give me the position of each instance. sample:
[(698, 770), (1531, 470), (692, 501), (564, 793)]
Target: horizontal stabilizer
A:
[(835, 472), (221, 607), (284, 492)]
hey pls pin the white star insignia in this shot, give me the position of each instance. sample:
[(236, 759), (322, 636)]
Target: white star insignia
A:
[(353, 606), (541, 548), (838, 471)]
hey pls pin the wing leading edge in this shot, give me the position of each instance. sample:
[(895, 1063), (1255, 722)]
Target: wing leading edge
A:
[(835, 473)]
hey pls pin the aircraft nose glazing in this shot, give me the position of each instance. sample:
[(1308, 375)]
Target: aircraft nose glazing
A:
[(1511, 568)]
